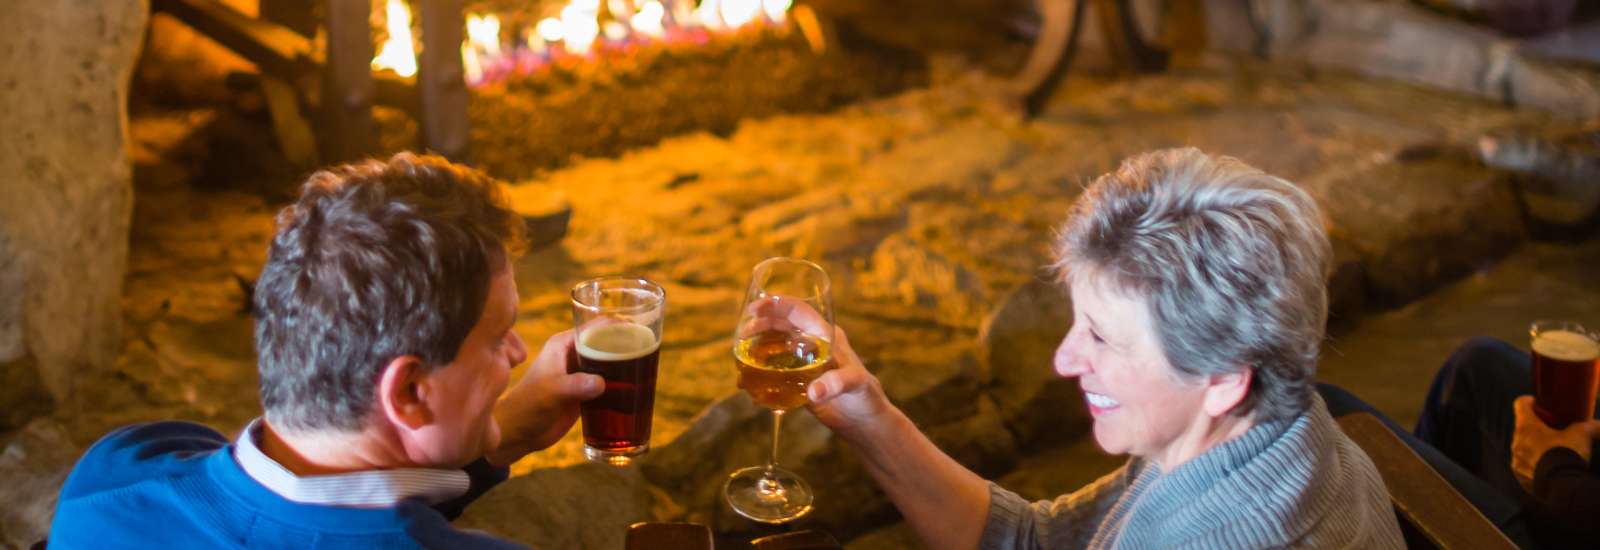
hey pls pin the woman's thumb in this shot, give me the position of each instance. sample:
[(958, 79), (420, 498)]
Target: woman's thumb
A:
[(824, 387)]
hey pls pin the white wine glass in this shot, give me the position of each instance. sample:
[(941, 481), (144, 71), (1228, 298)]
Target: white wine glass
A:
[(781, 344)]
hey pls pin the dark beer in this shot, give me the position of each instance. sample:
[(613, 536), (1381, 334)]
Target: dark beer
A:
[(775, 367), (625, 354), (1564, 376)]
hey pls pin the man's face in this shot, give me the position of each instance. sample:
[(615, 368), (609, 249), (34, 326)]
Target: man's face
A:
[(465, 391)]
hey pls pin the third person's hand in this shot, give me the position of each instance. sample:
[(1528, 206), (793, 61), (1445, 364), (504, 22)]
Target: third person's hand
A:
[(1532, 438)]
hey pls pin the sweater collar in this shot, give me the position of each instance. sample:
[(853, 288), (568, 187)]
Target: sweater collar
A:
[(368, 489), (1280, 456)]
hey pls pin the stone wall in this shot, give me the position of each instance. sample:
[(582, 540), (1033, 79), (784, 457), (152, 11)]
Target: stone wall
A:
[(65, 179), (1405, 42)]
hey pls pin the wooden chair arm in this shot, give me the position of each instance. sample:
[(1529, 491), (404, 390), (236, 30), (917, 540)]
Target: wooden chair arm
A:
[(1420, 495)]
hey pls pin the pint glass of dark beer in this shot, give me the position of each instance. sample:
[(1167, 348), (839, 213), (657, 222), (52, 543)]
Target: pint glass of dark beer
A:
[(1565, 356), (618, 325)]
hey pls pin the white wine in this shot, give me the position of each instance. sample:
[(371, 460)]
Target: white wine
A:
[(775, 367)]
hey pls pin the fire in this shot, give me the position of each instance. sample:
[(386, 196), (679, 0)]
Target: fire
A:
[(738, 13), (648, 20), (776, 10), (398, 53), (482, 43), (484, 33), (582, 27), (708, 14)]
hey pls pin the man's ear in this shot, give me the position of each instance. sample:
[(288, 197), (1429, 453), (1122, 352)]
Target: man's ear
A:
[(402, 392), (1226, 391)]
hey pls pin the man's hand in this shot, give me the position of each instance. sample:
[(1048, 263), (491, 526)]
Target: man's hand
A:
[(1533, 438), (849, 400), (543, 405)]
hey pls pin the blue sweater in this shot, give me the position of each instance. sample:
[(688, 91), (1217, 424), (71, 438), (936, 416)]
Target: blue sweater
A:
[(176, 485)]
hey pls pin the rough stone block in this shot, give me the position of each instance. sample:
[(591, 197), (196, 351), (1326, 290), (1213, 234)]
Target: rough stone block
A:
[(1403, 42), (587, 506), (1019, 340), (544, 209), (34, 464), (1416, 225), (65, 176)]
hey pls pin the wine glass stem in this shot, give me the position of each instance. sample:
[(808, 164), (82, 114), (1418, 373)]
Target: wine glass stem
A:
[(769, 481)]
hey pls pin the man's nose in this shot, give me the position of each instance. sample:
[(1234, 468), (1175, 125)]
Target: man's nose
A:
[(519, 349)]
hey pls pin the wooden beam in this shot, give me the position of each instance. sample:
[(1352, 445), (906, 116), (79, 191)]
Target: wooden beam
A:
[(278, 50), (275, 49), (350, 132), (296, 15), (441, 80)]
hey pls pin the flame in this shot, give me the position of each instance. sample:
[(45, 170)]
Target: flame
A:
[(648, 20), (776, 9), (707, 14), (397, 53), (550, 29), (736, 13), (580, 25), (620, 10), (484, 33)]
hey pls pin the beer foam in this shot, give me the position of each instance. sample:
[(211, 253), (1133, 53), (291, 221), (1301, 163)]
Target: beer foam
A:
[(617, 342), (1563, 345)]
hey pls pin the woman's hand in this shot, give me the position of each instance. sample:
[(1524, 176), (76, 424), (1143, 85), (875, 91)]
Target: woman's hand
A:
[(1532, 438), (848, 399), (543, 405)]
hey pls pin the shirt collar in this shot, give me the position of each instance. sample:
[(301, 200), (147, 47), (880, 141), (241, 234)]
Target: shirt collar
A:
[(367, 489)]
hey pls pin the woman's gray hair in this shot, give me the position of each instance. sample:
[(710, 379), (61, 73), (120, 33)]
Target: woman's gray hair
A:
[(1232, 262)]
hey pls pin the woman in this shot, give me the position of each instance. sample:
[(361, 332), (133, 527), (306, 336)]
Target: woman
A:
[(1198, 289)]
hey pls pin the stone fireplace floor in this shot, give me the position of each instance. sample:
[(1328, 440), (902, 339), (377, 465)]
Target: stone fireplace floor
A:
[(928, 208)]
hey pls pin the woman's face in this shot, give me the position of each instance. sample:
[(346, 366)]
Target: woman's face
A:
[(1139, 405)]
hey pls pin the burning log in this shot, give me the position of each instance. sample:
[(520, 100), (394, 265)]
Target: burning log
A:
[(583, 108)]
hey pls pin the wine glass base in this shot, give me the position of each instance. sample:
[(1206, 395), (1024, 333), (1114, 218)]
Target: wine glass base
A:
[(784, 498)]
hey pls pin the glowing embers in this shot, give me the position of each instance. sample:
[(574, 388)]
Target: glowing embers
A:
[(583, 29)]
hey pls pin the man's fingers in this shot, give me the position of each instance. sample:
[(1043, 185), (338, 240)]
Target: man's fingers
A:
[(1524, 403), (1523, 407), (583, 386)]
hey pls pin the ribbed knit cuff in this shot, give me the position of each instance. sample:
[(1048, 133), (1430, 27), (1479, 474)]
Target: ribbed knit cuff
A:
[(1009, 521)]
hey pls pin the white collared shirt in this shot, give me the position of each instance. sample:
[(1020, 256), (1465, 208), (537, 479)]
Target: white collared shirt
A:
[(368, 489)]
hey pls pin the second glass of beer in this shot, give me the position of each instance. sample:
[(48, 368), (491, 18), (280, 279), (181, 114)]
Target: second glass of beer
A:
[(618, 326), (1566, 357)]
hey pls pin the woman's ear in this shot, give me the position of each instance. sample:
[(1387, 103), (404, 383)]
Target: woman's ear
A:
[(402, 392), (1226, 391)]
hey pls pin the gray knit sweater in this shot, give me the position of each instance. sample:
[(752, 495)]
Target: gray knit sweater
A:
[(1299, 483)]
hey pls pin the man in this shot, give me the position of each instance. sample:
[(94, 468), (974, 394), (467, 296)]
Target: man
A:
[(1479, 412), (384, 339)]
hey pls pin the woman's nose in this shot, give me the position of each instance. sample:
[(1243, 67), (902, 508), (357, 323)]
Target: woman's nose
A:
[(1068, 362)]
